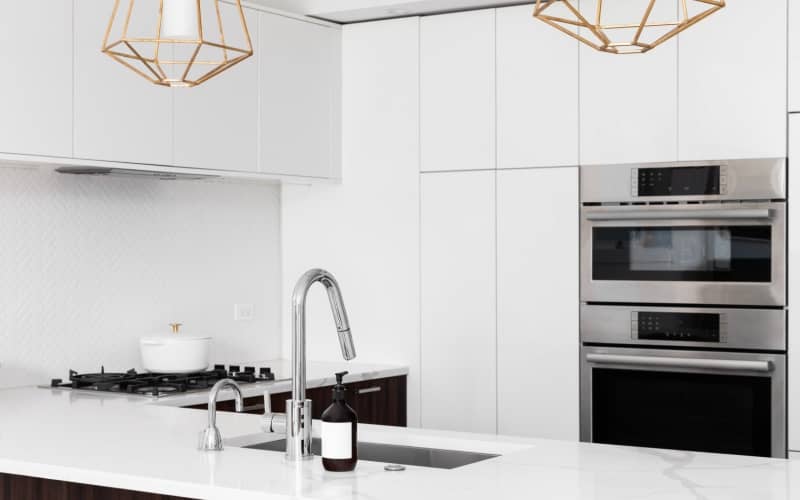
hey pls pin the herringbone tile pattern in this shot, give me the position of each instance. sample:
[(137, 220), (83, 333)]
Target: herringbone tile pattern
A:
[(88, 265)]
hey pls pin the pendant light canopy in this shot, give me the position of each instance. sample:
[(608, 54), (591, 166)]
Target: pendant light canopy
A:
[(177, 43), (624, 26)]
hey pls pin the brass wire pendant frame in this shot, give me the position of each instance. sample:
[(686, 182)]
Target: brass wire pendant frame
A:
[(602, 32), (176, 62)]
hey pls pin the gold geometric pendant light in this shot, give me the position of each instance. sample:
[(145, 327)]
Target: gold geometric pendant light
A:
[(624, 26), (177, 43)]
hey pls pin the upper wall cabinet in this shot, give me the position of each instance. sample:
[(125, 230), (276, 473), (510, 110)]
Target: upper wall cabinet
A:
[(537, 92), (300, 105), (216, 123), (36, 50), (732, 88), (119, 116), (457, 91)]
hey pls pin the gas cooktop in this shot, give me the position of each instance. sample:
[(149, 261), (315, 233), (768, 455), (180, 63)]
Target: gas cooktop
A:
[(161, 384)]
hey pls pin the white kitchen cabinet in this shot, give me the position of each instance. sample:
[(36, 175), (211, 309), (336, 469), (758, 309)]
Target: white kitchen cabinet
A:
[(119, 115), (300, 97), (794, 56), (732, 83), (216, 123), (457, 91), (794, 285), (458, 301), (537, 302), (537, 92), (629, 102), (36, 85)]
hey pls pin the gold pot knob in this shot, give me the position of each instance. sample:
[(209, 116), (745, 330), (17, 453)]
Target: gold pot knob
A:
[(176, 327)]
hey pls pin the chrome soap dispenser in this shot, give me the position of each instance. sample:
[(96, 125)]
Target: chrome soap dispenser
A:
[(339, 428)]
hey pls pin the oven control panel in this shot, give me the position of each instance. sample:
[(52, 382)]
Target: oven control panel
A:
[(675, 326), (679, 181)]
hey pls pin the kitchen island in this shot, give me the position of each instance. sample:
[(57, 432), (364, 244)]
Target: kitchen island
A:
[(141, 445)]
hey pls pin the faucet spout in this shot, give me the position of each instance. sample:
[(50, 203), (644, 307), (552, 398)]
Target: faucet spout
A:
[(299, 325), (298, 439)]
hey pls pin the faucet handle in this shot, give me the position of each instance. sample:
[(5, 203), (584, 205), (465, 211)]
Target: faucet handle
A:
[(272, 422)]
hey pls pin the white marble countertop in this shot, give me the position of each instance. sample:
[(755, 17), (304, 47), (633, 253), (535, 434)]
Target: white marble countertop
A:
[(140, 445)]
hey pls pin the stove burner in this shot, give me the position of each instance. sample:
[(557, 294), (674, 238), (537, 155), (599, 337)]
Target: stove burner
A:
[(157, 390), (160, 384)]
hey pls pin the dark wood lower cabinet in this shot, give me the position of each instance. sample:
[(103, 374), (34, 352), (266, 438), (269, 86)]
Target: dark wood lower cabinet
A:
[(380, 401), (32, 488)]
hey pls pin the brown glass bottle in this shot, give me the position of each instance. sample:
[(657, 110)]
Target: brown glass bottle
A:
[(339, 428)]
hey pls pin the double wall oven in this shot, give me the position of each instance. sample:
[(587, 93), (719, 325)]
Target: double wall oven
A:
[(683, 306)]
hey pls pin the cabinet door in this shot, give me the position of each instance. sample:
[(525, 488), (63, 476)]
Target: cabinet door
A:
[(216, 123), (733, 83), (629, 109), (457, 91), (119, 115), (794, 56), (537, 92), (537, 302), (794, 285), (36, 50), (458, 301), (379, 402), (300, 108)]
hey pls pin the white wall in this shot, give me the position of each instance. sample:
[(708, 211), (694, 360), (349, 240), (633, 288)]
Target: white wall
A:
[(366, 230), (88, 265)]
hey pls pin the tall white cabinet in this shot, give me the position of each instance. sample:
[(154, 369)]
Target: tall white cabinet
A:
[(537, 302), (629, 102), (794, 56), (793, 256), (732, 83), (36, 84), (457, 91), (457, 273), (537, 92)]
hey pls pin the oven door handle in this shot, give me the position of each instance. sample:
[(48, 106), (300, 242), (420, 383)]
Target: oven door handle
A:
[(660, 214), (727, 365)]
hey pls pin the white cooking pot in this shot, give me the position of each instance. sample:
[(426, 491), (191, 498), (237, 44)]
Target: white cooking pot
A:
[(175, 353)]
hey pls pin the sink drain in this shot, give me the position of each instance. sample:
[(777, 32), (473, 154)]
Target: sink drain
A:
[(394, 468)]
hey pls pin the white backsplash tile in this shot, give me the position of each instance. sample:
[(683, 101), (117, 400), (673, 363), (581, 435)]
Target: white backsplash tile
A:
[(88, 265)]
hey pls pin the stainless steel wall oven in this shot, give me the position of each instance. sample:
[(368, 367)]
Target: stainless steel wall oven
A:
[(683, 295)]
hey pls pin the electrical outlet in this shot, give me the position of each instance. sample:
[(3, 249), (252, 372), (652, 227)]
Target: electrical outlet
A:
[(243, 312)]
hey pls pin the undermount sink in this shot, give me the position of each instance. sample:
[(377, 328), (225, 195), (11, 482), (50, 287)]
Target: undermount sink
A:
[(396, 454)]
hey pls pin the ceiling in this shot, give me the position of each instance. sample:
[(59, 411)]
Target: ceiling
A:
[(350, 11)]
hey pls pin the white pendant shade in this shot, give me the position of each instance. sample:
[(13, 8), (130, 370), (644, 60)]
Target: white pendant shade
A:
[(179, 20)]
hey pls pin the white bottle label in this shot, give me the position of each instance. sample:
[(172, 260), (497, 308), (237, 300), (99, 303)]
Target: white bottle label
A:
[(337, 440)]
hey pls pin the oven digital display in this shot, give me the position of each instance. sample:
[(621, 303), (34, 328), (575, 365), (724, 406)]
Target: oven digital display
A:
[(679, 181), (692, 327)]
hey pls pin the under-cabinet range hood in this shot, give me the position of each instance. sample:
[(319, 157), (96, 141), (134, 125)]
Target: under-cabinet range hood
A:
[(125, 172)]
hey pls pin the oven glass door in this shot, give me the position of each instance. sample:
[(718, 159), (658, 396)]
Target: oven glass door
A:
[(675, 253), (686, 411), (686, 400), (684, 254)]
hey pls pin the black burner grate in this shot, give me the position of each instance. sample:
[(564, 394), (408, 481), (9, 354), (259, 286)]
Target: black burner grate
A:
[(160, 384)]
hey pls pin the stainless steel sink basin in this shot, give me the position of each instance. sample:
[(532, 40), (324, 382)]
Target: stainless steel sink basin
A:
[(396, 454)]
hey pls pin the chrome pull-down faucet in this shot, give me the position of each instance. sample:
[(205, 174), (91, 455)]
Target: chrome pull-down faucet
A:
[(297, 420)]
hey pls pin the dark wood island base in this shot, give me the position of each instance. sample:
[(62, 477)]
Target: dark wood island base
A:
[(14, 487)]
